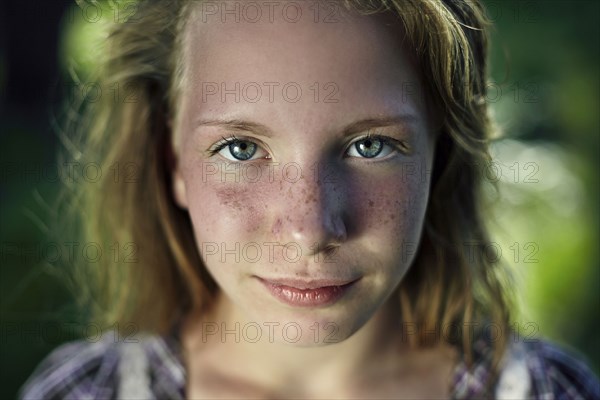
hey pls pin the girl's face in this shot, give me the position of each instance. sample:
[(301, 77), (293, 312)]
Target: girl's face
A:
[(304, 152)]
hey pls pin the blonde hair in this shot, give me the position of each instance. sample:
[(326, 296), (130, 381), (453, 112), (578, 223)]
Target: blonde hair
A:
[(444, 286)]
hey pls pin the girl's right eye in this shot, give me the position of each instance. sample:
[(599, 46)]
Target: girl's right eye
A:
[(235, 149), (240, 150)]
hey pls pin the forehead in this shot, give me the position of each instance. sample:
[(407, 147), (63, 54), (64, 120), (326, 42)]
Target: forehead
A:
[(360, 57)]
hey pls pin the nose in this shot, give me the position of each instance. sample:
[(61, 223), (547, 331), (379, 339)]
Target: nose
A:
[(313, 212)]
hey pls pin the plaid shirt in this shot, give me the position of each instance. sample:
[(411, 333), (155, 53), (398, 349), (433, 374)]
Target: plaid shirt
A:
[(152, 368)]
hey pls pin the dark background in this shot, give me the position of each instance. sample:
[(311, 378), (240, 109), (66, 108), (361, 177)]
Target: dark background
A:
[(545, 94)]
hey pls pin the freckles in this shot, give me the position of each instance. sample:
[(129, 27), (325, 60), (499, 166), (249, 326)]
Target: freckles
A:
[(243, 207), (310, 198), (391, 212), (374, 212), (276, 227), (384, 211), (253, 220), (231, 197)]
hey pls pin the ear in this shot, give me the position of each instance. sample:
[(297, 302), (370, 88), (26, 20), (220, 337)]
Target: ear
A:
[(178, 187), (177, 182)]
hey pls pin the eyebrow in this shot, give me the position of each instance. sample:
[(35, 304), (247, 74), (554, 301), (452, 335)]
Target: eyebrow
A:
[(236, 125), (382, 122), (354, 127)]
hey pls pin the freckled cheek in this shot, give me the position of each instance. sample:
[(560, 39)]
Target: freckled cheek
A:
[(227, 212), (392, 208)]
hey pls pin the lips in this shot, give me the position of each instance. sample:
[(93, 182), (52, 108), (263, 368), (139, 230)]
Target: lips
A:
[(312, 293), (311, 284)]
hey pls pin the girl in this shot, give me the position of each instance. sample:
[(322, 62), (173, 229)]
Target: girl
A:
[(305, 209)]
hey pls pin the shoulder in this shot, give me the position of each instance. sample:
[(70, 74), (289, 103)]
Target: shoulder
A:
[(110, 367), (559, 373), (533, 369), (76, 369)]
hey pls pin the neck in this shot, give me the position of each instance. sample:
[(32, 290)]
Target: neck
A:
[(374, 349)]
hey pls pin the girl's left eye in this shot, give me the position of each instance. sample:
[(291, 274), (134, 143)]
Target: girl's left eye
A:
[(370, 147)]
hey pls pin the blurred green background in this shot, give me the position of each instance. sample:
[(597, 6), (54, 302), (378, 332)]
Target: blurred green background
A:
[(544, 92)]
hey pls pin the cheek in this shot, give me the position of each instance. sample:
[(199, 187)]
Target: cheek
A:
[(239, 207), (392, 209), (224, 217), (225, 211)]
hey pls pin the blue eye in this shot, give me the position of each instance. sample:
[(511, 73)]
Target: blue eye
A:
[(241, 149), (235, 149), (370, 147)]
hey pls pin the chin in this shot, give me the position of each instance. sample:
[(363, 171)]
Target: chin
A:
[(309, 328)]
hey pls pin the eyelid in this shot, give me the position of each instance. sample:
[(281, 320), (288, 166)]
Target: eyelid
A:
[(399, 146), (227, 140)]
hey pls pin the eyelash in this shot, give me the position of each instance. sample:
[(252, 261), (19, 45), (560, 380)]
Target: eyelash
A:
[(221, 144), (397, 145)]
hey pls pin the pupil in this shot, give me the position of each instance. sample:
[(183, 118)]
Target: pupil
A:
[(369, 148), (242, 150)]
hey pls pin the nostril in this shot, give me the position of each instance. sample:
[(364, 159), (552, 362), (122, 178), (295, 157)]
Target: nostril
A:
[(340, 229), (327, 253), (330, 249)]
